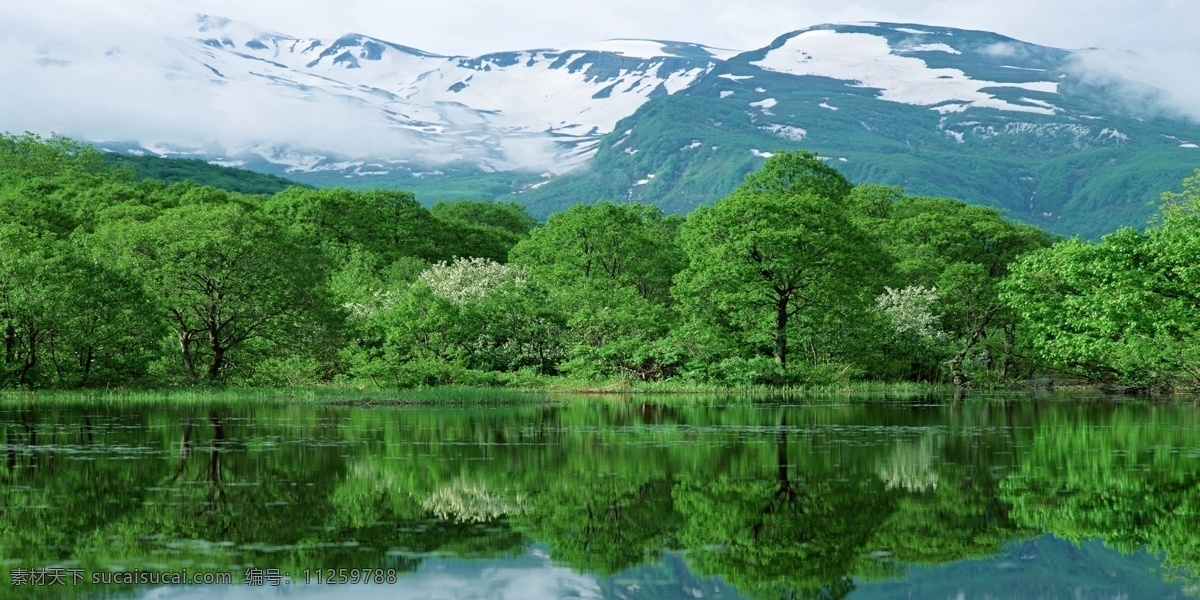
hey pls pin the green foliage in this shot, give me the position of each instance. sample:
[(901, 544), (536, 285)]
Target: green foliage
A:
[(612, 266), (387, 223), (766, 267), (962, 252), (796, 174), (472, 316), (66, 321), (179, 170), (223, 276), (796, 279), (1122, 311), (483, 229), (508, 216), (30, 155)]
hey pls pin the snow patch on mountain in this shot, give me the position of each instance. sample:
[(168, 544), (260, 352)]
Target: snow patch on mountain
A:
[(628, 48), (868, 60), (1041, 103), (633, 48), (787, 132), (930, 48)]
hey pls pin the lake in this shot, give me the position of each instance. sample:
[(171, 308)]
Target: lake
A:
[(604, 497)]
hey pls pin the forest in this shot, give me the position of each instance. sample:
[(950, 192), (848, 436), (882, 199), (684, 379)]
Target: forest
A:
[(798, 278)]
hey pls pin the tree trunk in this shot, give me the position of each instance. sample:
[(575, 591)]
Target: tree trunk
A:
[(218, 361), (10, 343), (30, 359), (960, 378), (781, 319), (185, 343)]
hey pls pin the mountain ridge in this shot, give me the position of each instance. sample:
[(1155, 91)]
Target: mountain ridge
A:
[(942, 111)]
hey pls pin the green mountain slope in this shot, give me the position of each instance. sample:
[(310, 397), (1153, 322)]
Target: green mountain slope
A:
[(175, 170), (1085, 166)]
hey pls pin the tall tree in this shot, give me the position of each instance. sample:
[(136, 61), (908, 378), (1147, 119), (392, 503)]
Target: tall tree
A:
[(389, 223), (760, 258), (796, 173), (605, 246), (222, 276), (612, 265)]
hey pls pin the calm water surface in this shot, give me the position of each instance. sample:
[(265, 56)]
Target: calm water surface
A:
[(607, 498)]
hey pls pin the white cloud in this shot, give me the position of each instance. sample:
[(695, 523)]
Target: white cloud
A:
[(479, 26)]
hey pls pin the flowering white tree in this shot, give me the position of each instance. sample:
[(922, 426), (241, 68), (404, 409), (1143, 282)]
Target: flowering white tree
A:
[(477, 313), (472, 279), (910, 311)]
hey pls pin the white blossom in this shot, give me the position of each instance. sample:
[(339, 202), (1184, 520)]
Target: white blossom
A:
[(363, 310), (472, 279), (910, 310)]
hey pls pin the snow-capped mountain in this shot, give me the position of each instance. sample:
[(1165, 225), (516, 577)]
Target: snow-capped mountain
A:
[(948, 112), (542, 110), (967, 114)]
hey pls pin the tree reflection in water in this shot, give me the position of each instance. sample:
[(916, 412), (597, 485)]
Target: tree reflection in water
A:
[(796, 501)]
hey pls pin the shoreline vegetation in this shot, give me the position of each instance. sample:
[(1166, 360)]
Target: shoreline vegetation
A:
[(554, 392), (557, 393), (798, 281)]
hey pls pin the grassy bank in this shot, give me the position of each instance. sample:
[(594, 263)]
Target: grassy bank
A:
[(551, 390), (322, 395)]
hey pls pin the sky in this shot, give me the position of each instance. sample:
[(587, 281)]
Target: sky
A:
[(480, 26)]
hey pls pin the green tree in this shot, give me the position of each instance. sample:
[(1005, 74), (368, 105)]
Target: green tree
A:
[(1124, 311), (223, 276), (964, 252), (605, 245), (31, 299), (758, 259), (797, 173), (507, 216), (613, 265), (475, 228), (457, 321), (389, 223)]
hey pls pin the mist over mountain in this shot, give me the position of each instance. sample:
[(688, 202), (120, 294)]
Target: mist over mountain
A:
[(1042, 132)]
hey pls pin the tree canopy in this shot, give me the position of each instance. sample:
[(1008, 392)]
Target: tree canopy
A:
[(797, 278)]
